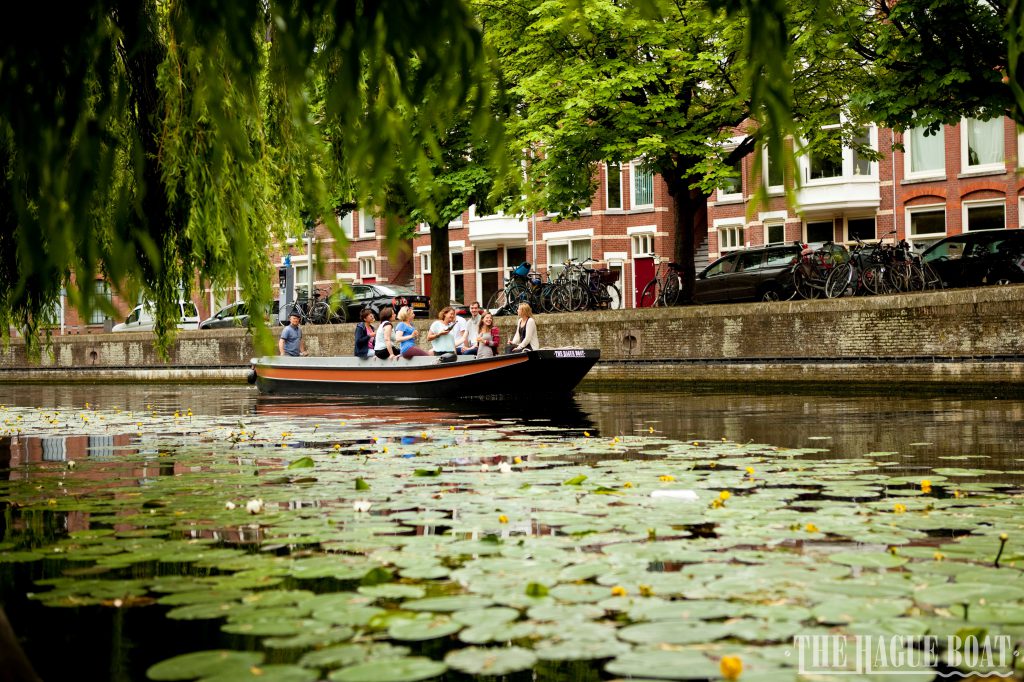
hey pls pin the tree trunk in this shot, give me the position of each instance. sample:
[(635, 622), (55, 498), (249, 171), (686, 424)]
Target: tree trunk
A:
[(691, 207), (440, 269)]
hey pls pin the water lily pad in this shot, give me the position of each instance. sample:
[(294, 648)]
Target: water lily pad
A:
[(459, 602), (491, 661), (204, 664), (350, 654), (423, 627), (674, 632), (409, 669), (663, 665), (868, 559), (278, 672)]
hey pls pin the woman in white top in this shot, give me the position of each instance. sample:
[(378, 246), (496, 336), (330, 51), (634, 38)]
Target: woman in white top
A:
[(382, 347), (526, 331), (488, 337)]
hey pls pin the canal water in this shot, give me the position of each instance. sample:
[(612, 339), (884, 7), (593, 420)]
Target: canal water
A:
[(911, 433)]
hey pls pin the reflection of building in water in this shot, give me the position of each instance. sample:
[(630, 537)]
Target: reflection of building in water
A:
[(54, 449), (100, 447)]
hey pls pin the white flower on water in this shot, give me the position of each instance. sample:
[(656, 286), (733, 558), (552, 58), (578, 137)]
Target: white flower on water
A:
[(485, 467), (362, 506), (229, 505), (683, 495), (254, 506), (505, 468)]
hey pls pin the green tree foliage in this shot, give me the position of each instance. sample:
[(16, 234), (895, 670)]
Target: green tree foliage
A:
[(932, 61), (147, 142), (600, 82)]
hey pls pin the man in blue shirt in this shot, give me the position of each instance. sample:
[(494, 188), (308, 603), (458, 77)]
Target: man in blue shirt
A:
[(291, 342)]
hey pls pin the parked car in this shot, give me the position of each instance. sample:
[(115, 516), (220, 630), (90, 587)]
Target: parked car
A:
[(375, 296), (975, 258), (141, 318), (236, 315), (755, 274)]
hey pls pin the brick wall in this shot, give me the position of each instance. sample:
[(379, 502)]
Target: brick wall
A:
[(959, 323)]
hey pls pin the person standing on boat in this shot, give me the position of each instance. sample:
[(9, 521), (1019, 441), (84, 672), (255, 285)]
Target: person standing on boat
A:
[(382, 347), (406, 335), (526, 331), (488, 338), (442, 332), (364, 334), (291, 342), (469, 329)]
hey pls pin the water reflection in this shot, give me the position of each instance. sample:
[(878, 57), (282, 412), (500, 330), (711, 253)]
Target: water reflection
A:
[(849, 424)]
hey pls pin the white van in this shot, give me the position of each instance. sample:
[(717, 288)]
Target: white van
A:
[(141, 318)]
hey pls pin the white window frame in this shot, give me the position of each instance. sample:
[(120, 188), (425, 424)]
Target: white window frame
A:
[(460, 249), (925, 208), (607, 185), (480, 270), (930, 174), (100, 288), (727, 149), (633, 175), (846, 225), (967, 205), (367, 266), (774, 222), (366, 217), (555, 268), (980, 169), (771, 189), (807, 240), (345, 222), (642, 244), (733, 227), (849, 161)]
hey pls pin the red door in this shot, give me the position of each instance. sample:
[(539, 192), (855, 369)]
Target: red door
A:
[(643, 272), (426, 284)]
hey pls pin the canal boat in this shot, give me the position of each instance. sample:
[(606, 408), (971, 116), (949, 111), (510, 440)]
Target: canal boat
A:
[(547, 372)]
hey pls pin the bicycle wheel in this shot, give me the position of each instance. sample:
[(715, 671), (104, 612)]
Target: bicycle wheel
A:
[(803, 285), (873, 279), (579, 296), (496, 304), (838, 280), (319, 314), (517, 293), (561, 298), (649, 296), (670, 294), (295, 309), (612, 297), (931, 278), (898, 276), (547, 303)]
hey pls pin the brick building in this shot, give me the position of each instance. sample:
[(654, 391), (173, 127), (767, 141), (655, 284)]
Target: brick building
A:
[(965, 177)]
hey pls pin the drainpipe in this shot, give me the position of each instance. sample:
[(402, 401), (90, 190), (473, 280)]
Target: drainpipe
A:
[(892, 159), (533, 239)]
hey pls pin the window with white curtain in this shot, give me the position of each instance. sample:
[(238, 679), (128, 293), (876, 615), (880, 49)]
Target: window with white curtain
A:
[(367, 227), (730, 238), (614, 185), (925, 154), (346, 224), (643, 186), (982, 147)]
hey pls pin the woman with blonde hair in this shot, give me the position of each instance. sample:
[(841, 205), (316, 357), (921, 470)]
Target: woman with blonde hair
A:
[(488, 338), (406, 335), (526, 331)]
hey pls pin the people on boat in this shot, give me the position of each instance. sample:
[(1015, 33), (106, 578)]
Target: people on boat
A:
[(383, 340), (364, 334), (291, 342), (488, 338), (465, 341), (406, 335), (442, 332), (526, 331)]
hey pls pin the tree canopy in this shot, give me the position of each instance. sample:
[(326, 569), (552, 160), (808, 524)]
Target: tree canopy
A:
[(146, 142)]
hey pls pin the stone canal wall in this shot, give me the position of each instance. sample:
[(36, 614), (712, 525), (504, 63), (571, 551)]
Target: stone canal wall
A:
[(969, 335)]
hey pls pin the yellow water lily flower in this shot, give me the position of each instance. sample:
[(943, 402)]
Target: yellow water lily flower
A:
[(750, 471), (618, 591), (627, 484), (517, 460), (731, 667), (667, 478), (645, 590), (926, 486), (337, 446), (899, 508), (502, 519), (587, 434), (938, 556), (724, 495), (811, 528)]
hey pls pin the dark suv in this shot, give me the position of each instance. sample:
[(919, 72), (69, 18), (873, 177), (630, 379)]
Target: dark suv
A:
[(759, 274), (975, 258)]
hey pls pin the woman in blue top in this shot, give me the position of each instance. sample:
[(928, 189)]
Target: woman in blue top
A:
[(406, 335)]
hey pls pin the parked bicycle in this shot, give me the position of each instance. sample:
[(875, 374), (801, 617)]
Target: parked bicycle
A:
[(315, 311), (664, 289), (811, 269)]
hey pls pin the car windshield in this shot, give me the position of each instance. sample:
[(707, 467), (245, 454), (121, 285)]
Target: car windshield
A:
[(189, 310), (392, 290)]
